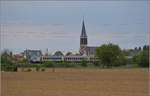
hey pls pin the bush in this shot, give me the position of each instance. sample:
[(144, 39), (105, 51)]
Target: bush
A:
[(37, 68), (144, 59), (42, 69), (8, 67), (48, 64), (29, 70), (84, 63), (64, 64), (120, 61), (68, 65), (96, 63)]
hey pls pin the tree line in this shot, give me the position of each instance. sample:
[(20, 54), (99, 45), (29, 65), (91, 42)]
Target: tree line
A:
[(111, 55)]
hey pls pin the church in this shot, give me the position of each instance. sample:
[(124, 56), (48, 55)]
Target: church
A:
[(84, 48), (86, 52)]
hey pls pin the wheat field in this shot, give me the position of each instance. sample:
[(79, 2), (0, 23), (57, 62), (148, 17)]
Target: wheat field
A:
[(76, 82)]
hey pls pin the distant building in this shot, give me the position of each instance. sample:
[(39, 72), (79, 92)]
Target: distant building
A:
[(19, 57), (83, 40), (58, 56), (63, 58), (58, 53), (52, 58), (68, 53), (33, 56), (91, 51), (84, 49), (85, 53)]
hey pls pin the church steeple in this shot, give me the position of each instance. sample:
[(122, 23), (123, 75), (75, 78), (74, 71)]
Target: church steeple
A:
[(83, 39), (83, 32)]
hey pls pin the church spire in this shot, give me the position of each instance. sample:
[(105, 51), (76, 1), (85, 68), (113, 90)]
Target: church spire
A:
[(83, 33), (83, 40)]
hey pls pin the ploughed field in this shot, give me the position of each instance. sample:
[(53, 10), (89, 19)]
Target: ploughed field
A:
[(76, 82)]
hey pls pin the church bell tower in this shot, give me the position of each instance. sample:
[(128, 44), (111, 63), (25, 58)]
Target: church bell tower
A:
[(83, 40)]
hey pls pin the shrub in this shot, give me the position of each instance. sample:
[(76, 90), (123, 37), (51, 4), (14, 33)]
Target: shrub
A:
[(68, 65), (84, 63), (29, 70), (37, 68), (120, 61), (48, 64), (42, 69), (96, 63), (144, 59), (8, 67)]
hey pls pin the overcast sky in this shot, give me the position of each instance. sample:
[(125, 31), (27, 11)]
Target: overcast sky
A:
[(56, 25)]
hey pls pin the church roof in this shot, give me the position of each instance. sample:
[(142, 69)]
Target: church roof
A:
[(91, 50), (92, 47), (83, 32)]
